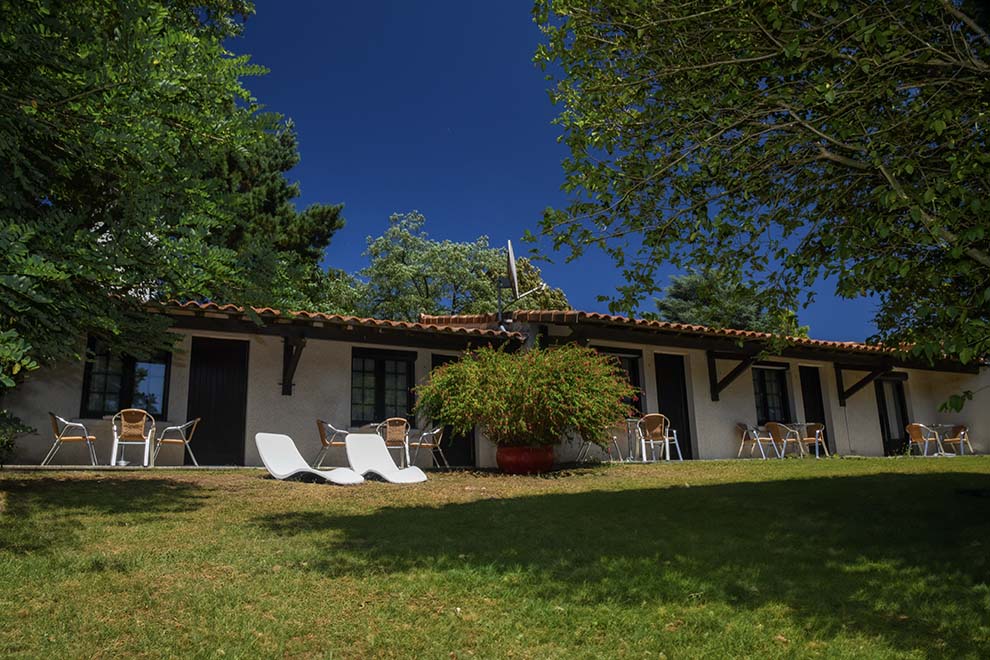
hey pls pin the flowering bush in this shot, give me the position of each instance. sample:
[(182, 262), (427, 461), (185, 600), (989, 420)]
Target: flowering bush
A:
[(529, 398)]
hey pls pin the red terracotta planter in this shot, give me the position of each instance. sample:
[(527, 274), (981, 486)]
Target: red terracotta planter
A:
[(524, 460)]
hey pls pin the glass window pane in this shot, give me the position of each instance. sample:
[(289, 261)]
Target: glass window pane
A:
[(149, 386), (105, 376)]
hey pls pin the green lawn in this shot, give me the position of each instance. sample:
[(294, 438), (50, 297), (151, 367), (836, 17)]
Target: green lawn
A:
[(860, 558)]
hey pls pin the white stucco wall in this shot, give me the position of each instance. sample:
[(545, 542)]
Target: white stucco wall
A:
[(322, 389), (853, 429)]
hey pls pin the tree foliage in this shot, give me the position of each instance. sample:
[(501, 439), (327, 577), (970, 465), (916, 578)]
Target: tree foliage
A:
[(714, 300), (111, 114), (411, 274), (782, 141), (278, 249), (135, 167)]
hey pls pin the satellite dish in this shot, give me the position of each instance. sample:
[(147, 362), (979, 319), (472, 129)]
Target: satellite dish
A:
[(511, 271)]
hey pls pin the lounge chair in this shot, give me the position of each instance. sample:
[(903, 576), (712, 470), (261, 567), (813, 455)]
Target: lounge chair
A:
[(366, 452), (282, 460)]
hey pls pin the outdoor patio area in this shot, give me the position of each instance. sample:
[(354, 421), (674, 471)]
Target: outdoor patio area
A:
[(842, 558)]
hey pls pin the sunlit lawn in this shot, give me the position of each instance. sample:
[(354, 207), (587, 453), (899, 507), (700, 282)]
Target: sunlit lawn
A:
[(868, 558)]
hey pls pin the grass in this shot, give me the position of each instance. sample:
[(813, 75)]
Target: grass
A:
[(843, 558)]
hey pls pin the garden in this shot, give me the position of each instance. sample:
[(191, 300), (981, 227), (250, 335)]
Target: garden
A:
[(845, 558)]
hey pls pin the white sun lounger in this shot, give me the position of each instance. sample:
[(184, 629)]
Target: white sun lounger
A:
[(366, 452), (282, 459)]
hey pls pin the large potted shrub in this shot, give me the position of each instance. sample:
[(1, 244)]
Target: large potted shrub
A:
[(529, 401)]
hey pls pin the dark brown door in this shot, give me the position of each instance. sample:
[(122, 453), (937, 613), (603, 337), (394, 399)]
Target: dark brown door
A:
[(672, 397), (892, 407), (814, 404), (458, 449), (218, 395)]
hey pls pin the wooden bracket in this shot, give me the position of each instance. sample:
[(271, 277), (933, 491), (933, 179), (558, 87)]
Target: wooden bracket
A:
[(292, 348), (846, 392), (714, 384)]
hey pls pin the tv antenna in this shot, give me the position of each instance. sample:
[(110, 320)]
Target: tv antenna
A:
[(511, 282)]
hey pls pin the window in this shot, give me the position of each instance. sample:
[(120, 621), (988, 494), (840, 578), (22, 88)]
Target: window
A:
[(770, 387), (113, 382), (381, 385), (629, 361)]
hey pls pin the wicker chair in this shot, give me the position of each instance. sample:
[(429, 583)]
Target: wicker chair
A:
[(178, 435), (654, 429), (395, 432), (132, 426), (784, 435), (753, 435), (921, 436), (814, 436), (66, 431), (430, 439), (330, 436), (959, 435), (614, 433)]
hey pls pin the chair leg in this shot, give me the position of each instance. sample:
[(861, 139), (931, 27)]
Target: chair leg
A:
[(147, 452), (742, 444), (92, 452), (51, 452), (113, 451), (444, 457), (581, 452), (192, 456)]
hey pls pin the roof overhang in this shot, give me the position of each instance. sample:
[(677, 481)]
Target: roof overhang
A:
[(212, 317)]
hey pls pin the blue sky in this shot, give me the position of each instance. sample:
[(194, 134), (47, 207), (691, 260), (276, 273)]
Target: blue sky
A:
[(436, 106)]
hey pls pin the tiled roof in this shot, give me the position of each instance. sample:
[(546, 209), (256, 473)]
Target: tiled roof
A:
[(451, 328), (571, 317)]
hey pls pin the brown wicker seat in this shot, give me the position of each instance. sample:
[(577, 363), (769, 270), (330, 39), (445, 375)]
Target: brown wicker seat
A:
[(959, 435), (753, 435), (66, 431), (132, 426), (654, 429), (178, 435), (431, 440), (330, 436), (395, 432), (814, 436), (921, 436), (784, 435)]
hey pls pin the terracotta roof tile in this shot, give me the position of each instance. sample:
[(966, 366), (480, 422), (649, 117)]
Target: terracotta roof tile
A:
[(556, 316), (340, 319)]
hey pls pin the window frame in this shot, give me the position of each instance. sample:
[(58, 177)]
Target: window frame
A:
[(127, 382), (379, 356), (763, 411), (636, 379)]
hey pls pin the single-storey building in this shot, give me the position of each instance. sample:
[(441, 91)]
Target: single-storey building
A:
[(241, 377)]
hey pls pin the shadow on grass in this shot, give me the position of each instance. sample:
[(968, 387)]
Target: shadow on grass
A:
[(904, 557), (44, 514)]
